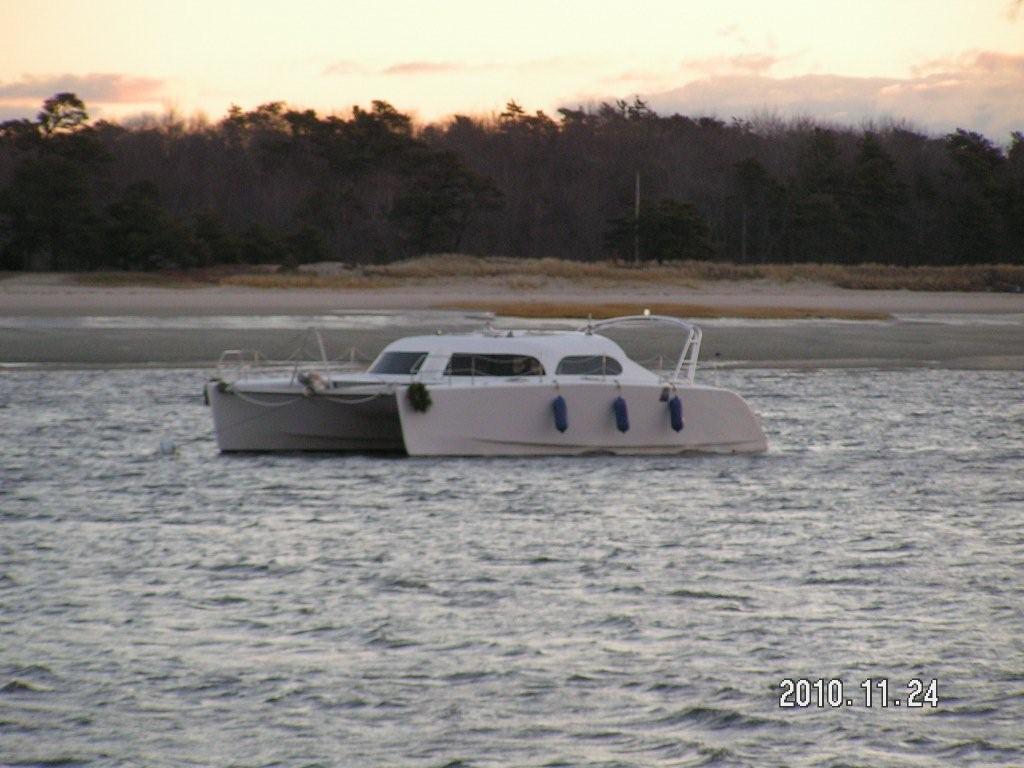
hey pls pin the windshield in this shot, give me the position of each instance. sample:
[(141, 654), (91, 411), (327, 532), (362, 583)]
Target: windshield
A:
[(399, 362)]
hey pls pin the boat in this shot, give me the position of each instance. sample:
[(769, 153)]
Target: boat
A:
[(493, 392)]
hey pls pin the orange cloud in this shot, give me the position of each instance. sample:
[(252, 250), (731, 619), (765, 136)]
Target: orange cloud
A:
[(99, 87), (414, 68), (974, 63), (344, 68), (424, 68), (744, 63), (636, 76)]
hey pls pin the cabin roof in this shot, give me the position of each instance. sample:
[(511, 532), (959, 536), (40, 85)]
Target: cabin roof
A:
[(541, 345)]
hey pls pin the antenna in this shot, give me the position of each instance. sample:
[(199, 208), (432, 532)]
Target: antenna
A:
[(636, 221)]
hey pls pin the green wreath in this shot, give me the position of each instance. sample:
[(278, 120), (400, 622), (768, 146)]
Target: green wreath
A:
[(419, 397)]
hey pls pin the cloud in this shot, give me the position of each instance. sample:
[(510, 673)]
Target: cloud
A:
[(636, 76), (974, 64), (980, 90), (416, 68), (99, 87), (743, 64), (425, 68), (421, 67), (344, 68), (704, 66)]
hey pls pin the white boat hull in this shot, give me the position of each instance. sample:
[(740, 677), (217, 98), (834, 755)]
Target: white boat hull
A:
[(291, 420), (485, 419), (518, 420)]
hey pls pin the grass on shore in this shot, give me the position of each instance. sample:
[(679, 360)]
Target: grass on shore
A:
[(175, 278), (533, 274), (140, 279), (530, 274)]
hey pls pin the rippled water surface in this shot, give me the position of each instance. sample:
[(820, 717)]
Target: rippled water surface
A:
[(187, 608)]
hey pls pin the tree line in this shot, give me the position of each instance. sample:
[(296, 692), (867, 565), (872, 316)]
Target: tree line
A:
[(286, 186)]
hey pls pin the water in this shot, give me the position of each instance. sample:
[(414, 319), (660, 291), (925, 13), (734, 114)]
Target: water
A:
[(163, 605)]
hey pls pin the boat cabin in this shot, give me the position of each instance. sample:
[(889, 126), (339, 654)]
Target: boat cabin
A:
[(515, 354)]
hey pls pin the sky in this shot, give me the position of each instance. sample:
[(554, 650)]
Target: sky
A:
[(938, 64)]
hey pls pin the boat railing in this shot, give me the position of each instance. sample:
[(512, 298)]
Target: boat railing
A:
[(238, 364), (689, 356), (686, 363)]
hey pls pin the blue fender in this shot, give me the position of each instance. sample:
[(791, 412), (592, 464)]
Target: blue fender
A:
[(621, 414), (675, 413), (561, 413)]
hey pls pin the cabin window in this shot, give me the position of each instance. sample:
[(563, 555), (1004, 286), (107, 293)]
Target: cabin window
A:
[(589, 365), (493, 365), (399, 362)]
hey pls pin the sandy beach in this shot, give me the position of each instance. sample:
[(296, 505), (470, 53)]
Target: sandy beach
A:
[(52, 319), (58, 294)]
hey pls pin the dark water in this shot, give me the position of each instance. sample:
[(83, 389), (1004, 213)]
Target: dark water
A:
[(196, 609)]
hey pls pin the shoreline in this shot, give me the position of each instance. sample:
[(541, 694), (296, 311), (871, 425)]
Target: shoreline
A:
[(47, 319), (59, 295)]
